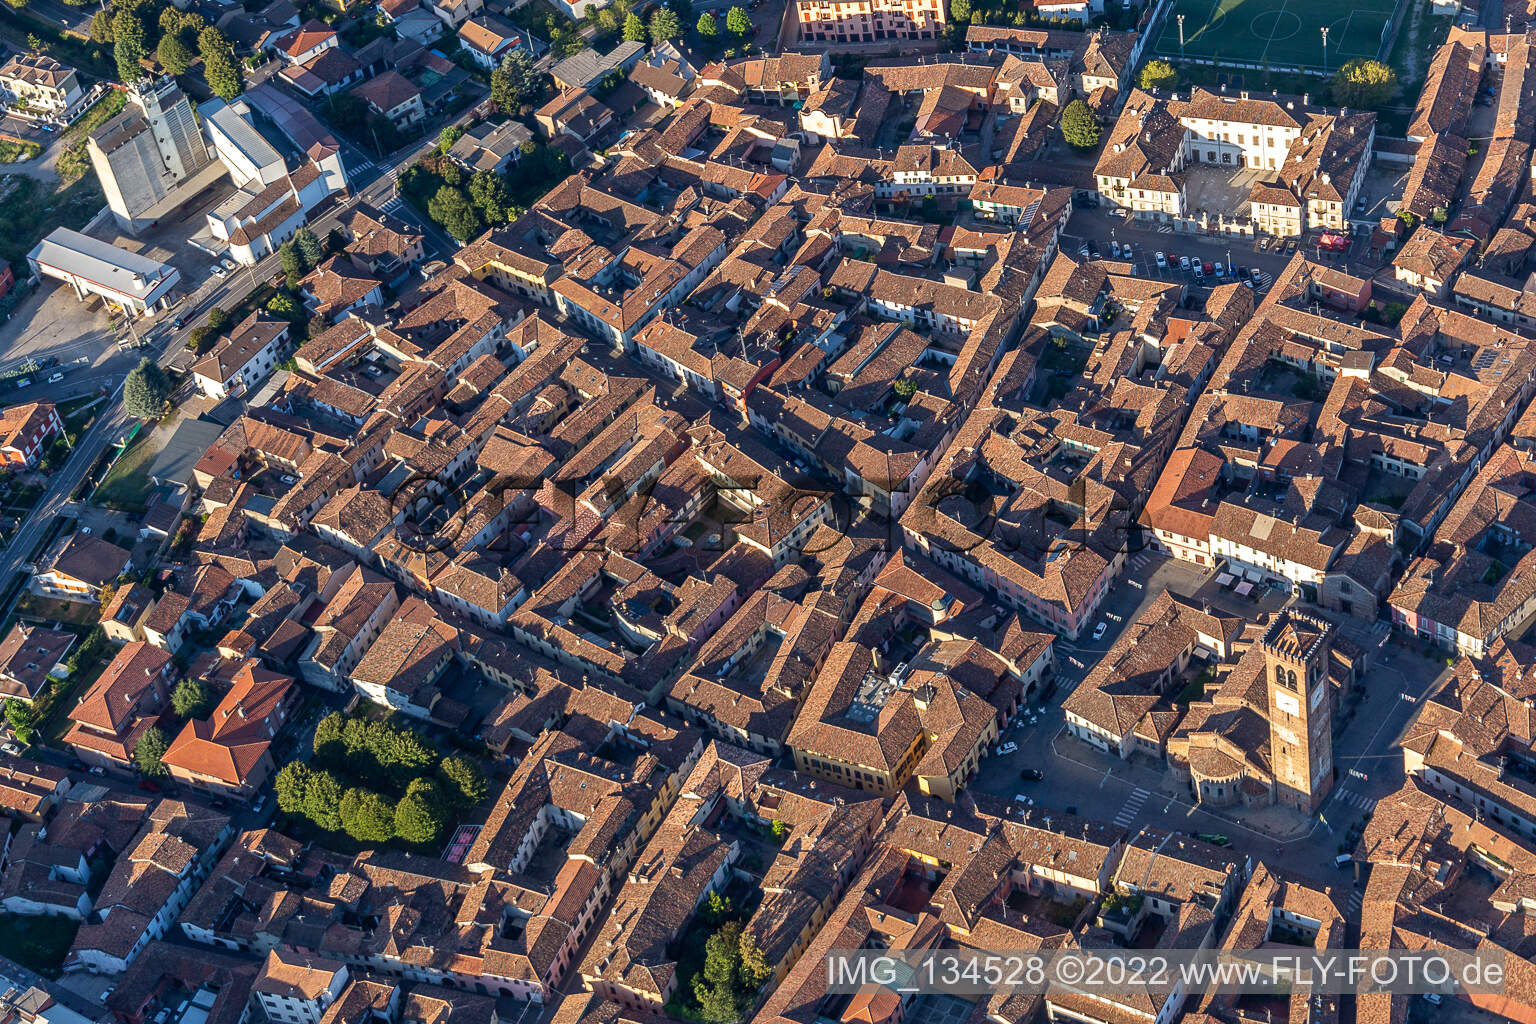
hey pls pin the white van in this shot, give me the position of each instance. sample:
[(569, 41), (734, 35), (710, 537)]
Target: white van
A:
[(1343, 860)]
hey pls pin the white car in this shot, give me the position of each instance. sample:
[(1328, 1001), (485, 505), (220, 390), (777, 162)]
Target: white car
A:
[(1008, 748), (1162, 260), (1183, 262), (217, 270), (229, 265), (11, 748), (1098, 631)]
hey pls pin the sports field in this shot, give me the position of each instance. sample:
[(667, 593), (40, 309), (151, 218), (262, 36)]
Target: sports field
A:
[(1275, 33)]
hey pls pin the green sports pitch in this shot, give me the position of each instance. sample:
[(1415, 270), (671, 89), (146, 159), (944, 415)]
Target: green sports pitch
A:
[(1278, 34)]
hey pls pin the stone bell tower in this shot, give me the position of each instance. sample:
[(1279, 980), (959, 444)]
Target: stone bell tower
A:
[(1296, 650)]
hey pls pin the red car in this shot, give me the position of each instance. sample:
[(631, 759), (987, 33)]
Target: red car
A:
[(1206, 267)]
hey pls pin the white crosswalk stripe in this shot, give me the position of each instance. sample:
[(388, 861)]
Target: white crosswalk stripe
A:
[(1356, 899), (1131, 808), (1354, 799)]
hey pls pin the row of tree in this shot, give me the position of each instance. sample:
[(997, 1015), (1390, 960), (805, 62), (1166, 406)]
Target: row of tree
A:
[(665, 24), (138, 29)]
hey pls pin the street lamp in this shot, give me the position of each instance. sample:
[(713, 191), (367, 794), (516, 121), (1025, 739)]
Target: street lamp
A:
[(1325, 49), (1181, 37)]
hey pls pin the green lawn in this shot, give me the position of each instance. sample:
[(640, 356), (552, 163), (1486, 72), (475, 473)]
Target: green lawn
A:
[(40, 943), (127, 483)]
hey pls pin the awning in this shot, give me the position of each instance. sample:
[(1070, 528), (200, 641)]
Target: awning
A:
[(1223, 579), (1244, 588)]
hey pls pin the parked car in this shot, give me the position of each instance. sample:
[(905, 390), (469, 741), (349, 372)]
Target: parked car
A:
[(218, 271), (1098, 631), (55, 378), (149, 786), (1032, 774), (97, 769), (1221, 270), (1162, 260), (1199, 274), (77, 764), (229, 265), (1258, 275), (1263, 245), (1183, 262), (1008, 748), (10, 748), (1214, 838)]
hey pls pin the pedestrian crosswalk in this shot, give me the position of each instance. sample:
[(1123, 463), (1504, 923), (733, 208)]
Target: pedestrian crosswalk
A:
[(1356, 899), (1140, 560), (394, 205), (1131, 808), (1354, 799)]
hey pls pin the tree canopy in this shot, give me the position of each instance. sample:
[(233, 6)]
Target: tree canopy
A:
[(128, 45), (1364, 83), (219, 67), (737, 21), (173, 54), (452, 209), (148, 752), (1079, 126), (367, 816), (420, 815), (463, 779), (1158, 74), (22, 717), (190, 699), (664, 26), (515, 81), (707, 26), (145, 390), (634, 28)]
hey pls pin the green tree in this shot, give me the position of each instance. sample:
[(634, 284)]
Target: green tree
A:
[(488, 191), (190, 699), (285, 306), (419, 816), (145, 390), (904, 388), (292, 787), (218, 319), (292, 261), (173, 54), (515, 80), (720, 987), (755, 968), (22, 717), (128, 45), (309, 247), (451, 208), (101, 27), (708, 27), (960, 12), (329, 746), (1158, 74), (1079, 126), (322, 801), (219, 65), (366, 816), (634, 28), (148, 752), (1364, 83), (664, 26), (738, 22), (463, 779)]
